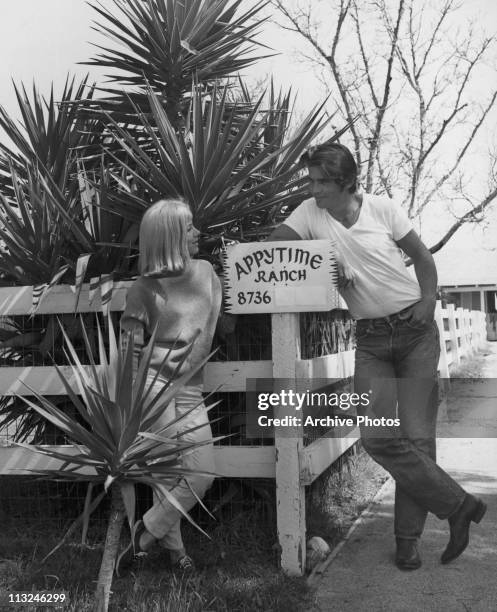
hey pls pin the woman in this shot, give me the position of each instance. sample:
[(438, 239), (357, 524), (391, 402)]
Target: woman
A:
[(181, 297)]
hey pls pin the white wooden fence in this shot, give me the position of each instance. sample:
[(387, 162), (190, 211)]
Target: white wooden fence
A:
[(462, 332), (292, 464)]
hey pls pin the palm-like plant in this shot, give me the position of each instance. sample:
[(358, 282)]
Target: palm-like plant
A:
[(39, 229), (116, 437), (51, 133), (50, 234), (165, 43), (231, 163), (46, 228), (46, 219), (230, 156), (113, 237)]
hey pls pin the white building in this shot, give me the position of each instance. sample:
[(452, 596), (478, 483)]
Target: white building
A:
[(470, 279)]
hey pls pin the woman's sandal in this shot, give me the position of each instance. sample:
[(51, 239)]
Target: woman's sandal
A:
[(184, 565)]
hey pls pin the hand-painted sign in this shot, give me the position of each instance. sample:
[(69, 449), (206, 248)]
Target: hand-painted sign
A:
[(289, 276)]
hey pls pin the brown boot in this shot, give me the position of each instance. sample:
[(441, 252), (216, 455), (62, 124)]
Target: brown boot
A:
[(472, 509), (407, 555)]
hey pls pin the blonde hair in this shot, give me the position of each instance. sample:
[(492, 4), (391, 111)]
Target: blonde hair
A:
[(163, 238)]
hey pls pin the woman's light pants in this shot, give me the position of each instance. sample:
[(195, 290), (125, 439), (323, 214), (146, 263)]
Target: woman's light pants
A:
[(163, 520)]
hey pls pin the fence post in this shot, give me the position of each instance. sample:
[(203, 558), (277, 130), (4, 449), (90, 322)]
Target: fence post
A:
[(483, 328), (460, 331), (454, 346), (475, 330), (482, 332), (467, 333), (443, 365), (471, 333), (290, 494), (467, 337)]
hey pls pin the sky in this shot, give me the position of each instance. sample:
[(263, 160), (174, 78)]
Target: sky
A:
[(45, 39)]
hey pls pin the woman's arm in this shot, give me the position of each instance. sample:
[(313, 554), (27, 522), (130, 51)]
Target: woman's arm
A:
[(202, 344), (138, 334), (133, 323)]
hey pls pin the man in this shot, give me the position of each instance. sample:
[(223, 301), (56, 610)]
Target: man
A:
[(397, 342)]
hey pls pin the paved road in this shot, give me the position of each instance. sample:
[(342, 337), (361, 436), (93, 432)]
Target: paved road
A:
[(363, 578)]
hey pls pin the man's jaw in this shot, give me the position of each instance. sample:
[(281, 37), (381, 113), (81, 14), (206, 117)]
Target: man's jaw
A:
[(321, 202)]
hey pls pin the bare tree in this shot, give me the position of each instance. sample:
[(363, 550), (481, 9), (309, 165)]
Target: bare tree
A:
[(406, 71)]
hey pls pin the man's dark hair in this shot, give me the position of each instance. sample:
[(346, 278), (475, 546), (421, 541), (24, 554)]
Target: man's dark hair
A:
[(335, 161)]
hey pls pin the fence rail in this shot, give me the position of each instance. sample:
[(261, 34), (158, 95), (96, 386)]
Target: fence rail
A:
[(292, 464)]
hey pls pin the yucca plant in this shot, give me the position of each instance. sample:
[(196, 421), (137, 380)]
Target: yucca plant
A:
[(31, 341), (50, 234), (114, 237), (226, 162), (47, 221), (46, 231), (51, 132), (116, 436), (165, 43), (179, 124), (230, 156), (39, 229)]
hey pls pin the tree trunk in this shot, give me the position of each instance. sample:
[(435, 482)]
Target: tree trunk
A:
[(104, 583)]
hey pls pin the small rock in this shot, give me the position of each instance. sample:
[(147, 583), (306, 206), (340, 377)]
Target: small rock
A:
[(316, 551)]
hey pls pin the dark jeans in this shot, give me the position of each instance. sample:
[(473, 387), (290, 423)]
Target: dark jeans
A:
[(397, 362)]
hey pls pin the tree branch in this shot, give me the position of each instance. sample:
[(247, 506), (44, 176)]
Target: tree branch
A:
[(471, 214), (383, 104), (444, 11), (330, 59), (460, 155), (364, 57), (456, 109)]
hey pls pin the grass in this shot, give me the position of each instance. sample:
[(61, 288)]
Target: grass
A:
[(237, 571), (470, 367), (237, 567), (339, 496)]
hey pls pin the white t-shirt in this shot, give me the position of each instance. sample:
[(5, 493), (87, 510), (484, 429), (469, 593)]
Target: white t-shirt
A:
[(383, 285)]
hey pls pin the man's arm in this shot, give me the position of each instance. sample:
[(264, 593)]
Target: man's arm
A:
[(346, 276), (426, 273), (283, 232)]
